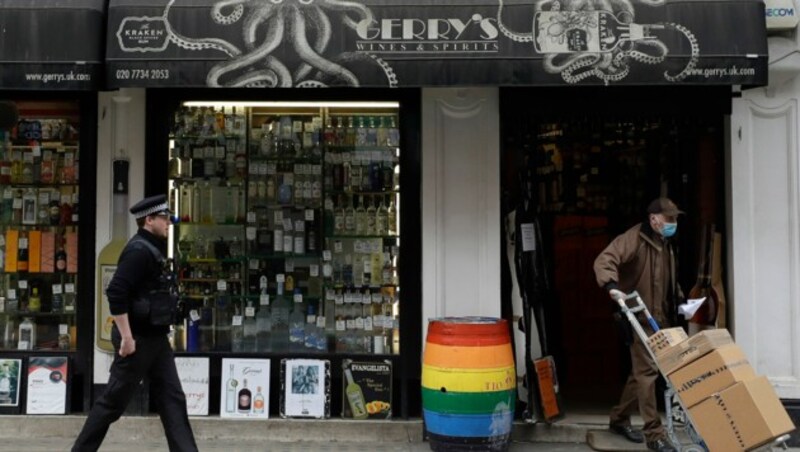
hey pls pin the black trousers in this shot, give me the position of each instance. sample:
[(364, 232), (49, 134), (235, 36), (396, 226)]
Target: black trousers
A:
[(153, 359)]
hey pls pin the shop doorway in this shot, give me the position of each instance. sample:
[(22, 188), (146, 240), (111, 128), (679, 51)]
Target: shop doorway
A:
[(590, 160)]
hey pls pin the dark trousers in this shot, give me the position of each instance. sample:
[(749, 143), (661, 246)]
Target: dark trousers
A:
[(153, 359), (640, 392)]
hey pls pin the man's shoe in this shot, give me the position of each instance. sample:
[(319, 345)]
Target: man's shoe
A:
[(661, 445), (630, 433)]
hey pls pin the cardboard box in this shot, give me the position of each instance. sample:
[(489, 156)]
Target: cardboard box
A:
[(745, 415), (712, 373), (666, 338), (691, 349)]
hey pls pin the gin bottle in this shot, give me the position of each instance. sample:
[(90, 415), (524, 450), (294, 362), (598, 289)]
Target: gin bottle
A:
[(280, 319)]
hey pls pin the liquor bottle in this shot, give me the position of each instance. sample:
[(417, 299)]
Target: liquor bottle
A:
[(297, 320), (391, 218), (280, 319), (350, 132), (230, 392), (350, 218), (109, 255), (250, 327), (382, 132), (361, 217), (371, 228), (22, 252), (174, 167), (16, 213), (206, 324), (355, 397), (35, 302), (361, 132), (61, 257), (245, 398), (27, 335), (224, 318), (393, 133), (299, 237), (381, 218), (263, 319), (277, 241), (193, 336), (57, 302), (329, 132), (258, 402), (372, 132), (8, 205), (310, 334), (237, 330), (338, 218)]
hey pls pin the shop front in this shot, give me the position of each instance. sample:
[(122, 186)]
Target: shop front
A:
[(332, 223), (48, 168)]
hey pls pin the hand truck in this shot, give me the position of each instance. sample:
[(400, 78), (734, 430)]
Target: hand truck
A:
[(677, 415)]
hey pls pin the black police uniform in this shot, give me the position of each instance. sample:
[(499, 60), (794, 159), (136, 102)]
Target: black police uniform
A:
[(138, 275)]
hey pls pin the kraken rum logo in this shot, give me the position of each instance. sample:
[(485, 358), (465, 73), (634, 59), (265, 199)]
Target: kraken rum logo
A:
[(143, 34)]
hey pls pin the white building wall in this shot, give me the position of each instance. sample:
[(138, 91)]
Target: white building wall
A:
[(764, 223), (460, 203)]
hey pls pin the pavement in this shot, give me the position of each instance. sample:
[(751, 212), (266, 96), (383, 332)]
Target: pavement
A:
[(213, 434)]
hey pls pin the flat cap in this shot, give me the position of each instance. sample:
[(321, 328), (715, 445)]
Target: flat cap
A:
[(154, 205), (664, 206)]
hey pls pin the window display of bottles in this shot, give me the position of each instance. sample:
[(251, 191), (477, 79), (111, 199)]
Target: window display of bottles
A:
[(39, 174), (289, 233)]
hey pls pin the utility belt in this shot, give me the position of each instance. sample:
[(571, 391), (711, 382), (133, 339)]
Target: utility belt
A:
[(157, 306)]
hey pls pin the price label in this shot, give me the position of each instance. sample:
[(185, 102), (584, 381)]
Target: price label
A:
[(359, 323), (250, 233), (376, 298), (300, 226), (327, 270), (280, 277), (366, 298), (350, 324), (222, 285), (313, 270), (219, 152), (263, 299), (23, 284), (268, 169), (37, 151), (287, 224), (328, 204), (367, 266), (28, 158), (288, 179), (338, 298), (337, 246), (63, 328), (253, 264), (341, 325), (326, 255), (194, 315), (57, 289), (298, 298), (44, 197), (262, 282), (17, 203), (368, 324), (249, 311), (330, 294), (289, 266), (312, 319), (237, 320), (278, 217), (320, 321), (11, 294), (69, 288), (309, 214), (251, 217)]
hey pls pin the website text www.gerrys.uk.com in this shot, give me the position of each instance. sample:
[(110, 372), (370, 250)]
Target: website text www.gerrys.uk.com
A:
[(731, 71), (57, 77)]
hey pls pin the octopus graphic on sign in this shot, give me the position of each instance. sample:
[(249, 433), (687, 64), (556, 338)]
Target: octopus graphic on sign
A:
[(582, 39), (268, 25)]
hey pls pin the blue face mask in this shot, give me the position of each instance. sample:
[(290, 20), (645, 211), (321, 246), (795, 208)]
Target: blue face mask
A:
[(669, 229)]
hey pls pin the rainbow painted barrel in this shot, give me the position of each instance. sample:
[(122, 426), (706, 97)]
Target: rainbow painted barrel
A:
[(468, 384)]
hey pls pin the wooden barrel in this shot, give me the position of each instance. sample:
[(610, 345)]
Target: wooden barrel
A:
[(468, 384)]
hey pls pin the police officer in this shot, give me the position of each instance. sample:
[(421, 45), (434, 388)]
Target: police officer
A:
[(141, 298)]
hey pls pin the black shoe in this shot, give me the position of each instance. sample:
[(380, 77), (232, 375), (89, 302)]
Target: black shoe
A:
[(630, 433), (661, 445)]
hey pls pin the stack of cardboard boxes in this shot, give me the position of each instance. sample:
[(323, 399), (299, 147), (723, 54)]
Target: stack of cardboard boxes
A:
[(731, 407)]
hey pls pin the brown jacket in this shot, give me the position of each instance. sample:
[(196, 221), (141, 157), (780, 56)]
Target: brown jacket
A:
[(641, 260)]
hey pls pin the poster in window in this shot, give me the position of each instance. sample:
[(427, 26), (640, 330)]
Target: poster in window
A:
[(47, 385), (245, 388), (366, 389), (305, 388), (10, 379), (193, 373)]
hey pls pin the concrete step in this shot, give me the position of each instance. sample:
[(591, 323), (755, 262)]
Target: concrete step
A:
[(569, 430)]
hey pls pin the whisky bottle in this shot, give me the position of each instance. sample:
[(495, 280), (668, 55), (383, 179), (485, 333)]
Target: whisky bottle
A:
[(355, 397), (35, 302)]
